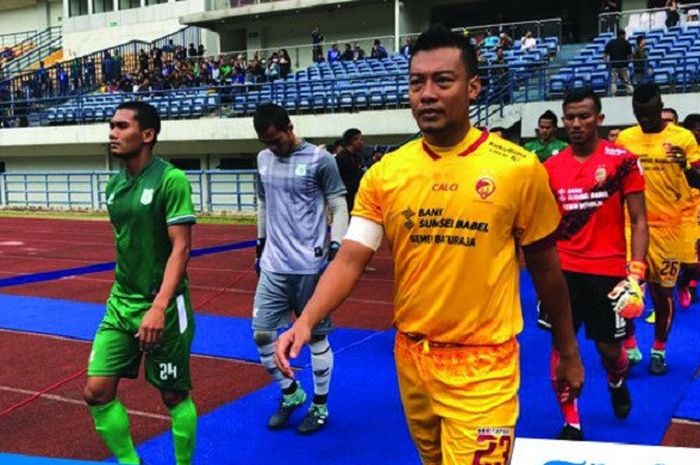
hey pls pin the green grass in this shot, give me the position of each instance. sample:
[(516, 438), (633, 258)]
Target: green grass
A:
[(202, 218)]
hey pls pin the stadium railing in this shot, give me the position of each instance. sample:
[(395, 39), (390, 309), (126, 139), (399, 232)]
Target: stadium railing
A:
[(302, 56), (645, 20), (212, 190), (90, 75), (43, 45), (11, 39)]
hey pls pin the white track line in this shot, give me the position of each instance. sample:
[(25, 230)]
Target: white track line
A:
[(68, 400)]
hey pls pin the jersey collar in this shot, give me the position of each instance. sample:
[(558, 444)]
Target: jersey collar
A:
[(473, 139)]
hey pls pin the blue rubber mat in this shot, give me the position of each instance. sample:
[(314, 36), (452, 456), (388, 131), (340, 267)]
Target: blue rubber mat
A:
[(654, 399), (215, 335)]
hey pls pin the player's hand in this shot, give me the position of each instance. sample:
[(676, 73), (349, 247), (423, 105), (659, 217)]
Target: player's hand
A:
[(677, 154), (333, 250), (628, 298), (259, 247), (151, 330), (569, 376), (289, 346)]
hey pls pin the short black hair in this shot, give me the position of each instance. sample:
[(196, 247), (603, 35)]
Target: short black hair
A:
[(691, 120), (497, 129), (350, 134), (550, 116), (146, 115), (645, 92), (581, 95), (672, 111), (270, 114), (621, 32), (438, 36), (640, 38)]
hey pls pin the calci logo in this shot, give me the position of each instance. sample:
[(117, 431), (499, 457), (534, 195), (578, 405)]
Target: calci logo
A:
[(485, 187)]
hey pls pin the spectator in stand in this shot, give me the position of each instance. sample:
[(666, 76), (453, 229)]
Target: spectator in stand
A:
[(333, 54), (63, 81), (504, 41), (272, 71), (44, 81), (491, 41), (317, 44), (378, 51), (90, 76), (169, 47), (673, 15), (118, 62), (613, 133), (157, 57), (639, 61), (618, 52), (191, 51), (608, 20), (201, 50), (143, 61), (107, 67), (407, 47), (546, 144), (358, 53), (349, 162), (347, 54), (76, 74), (285, 63), (528, 43), (669, 115)]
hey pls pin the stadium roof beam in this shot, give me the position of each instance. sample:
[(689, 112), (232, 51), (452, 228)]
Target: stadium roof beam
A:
[(222, 14)]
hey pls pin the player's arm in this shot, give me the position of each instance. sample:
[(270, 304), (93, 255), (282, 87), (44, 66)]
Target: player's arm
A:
[(336, 283), (543, 265), (638, 222), (339, 223), (151, 330), (688, 157), (262, 222)]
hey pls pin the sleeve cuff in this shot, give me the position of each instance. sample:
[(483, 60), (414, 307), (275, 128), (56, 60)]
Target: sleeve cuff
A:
[(183, 219), (545, 243)]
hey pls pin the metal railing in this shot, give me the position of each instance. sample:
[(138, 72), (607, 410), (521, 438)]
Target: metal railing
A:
[(540, 28), (303, 56), (42, 45), (212, 190), (11, 39), (646, 20)]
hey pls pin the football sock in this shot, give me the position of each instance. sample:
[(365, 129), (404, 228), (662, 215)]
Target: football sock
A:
[(322, 365), (112, 424), (184, 418), (569, 407)]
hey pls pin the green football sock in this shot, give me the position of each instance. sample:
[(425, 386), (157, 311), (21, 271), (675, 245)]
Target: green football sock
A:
[(184, 416), (112, 423)]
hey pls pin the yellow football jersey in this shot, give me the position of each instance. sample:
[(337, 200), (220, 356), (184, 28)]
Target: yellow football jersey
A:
[(666, 188), (451, 216)]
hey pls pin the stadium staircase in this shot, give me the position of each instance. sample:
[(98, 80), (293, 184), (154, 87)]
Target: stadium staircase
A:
[(32, 50)]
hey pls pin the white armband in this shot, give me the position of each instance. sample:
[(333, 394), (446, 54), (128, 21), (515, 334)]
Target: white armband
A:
[(366, 232)]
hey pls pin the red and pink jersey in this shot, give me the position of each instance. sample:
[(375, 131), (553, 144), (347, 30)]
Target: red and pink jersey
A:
[(591, 195)]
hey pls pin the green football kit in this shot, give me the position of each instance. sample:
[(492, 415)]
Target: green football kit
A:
[(141, 208)]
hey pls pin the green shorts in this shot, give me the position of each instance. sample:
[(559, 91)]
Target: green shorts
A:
[(115, 350)]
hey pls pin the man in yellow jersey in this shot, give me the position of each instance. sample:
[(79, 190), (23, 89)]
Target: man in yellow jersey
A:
[(692, 124), (669, 156), (453, 204)]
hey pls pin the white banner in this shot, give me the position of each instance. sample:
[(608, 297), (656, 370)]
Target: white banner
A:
[(553, 452)]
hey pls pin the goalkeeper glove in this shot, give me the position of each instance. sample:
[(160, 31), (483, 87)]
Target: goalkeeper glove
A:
[(259, 246), (333, 250), (627, 297)]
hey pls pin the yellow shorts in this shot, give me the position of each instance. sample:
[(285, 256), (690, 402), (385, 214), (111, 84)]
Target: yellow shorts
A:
[(460, 402), (664, 257), (690, 236)]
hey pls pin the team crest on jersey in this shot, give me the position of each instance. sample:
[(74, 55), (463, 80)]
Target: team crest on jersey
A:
[(147, 196), (485, 187), (300, 170), (600, 174)]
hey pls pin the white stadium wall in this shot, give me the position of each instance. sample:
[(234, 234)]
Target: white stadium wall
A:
[(89, 33), (20, 16)]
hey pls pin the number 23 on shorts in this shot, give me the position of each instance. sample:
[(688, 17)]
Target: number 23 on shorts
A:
[(495, 447)]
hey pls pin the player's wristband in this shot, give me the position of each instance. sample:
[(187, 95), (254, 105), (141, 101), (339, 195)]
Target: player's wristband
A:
[(259, 247), (637, 269)]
